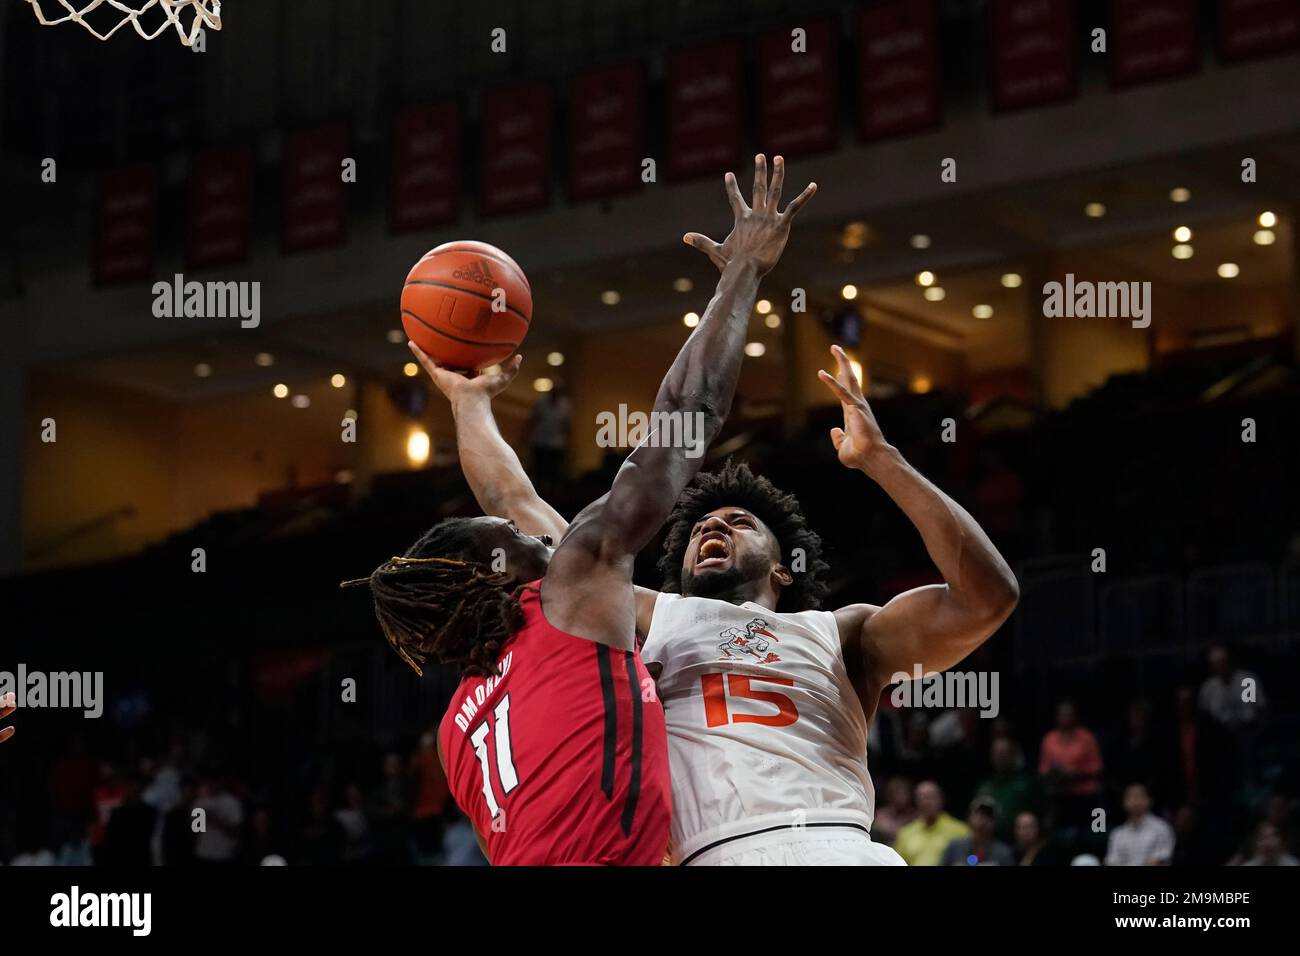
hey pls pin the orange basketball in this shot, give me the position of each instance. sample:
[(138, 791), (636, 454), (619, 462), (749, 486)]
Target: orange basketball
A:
[(467, 305)]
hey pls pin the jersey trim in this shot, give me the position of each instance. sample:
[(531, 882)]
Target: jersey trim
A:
[(611, 720), (782, 826), (634, 787)]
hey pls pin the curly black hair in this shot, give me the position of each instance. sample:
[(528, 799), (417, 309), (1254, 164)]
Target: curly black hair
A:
[(439, 601), (736, 485)]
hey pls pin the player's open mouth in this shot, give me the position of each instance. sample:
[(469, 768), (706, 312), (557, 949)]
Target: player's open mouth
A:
[(715, 550)]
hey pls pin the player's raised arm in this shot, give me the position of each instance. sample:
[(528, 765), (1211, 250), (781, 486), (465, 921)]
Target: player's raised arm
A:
[(492, 469), (8, 704), (939, 624), (690, 408)]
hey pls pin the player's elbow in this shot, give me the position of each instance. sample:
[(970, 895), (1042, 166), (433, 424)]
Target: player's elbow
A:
[(998, 599)]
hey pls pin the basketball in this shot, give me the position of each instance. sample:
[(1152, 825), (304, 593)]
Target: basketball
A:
[(467, 305)]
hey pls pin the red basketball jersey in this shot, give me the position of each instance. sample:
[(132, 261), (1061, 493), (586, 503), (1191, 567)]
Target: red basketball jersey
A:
[(561, 758)]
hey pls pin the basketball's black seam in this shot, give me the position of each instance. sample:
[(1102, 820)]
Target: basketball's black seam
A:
[(512, 266), (456, 288), (457, 338)]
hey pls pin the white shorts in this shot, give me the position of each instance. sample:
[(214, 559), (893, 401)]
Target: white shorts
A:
[(811, 847)]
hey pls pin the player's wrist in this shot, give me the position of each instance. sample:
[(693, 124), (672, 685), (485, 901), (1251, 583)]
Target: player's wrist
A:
[(879, 458)]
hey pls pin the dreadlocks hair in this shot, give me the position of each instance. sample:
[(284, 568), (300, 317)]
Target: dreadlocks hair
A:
[(736, 485), (438, 601)]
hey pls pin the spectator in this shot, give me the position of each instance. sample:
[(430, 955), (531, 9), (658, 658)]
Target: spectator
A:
[(223, 815), (1012, 790), (128, 837), (72, 782), (178, 837), (1144, 839), (1230, 696), (1139, 754), (980, 848), (320, 842), (1070, 762), (922, 842), (264, 840), (109, 795), (351, 818), (1191, 846), (1188, 745), (432, 795), (548, 433), (1031, 846), (389, 808), (897, 811), (1268, 848)]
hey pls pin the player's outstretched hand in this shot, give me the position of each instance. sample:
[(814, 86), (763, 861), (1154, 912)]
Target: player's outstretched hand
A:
[(459, 385), (8, 704), (761, 231), (860, 441)]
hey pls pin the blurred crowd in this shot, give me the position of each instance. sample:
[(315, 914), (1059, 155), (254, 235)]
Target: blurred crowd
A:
[(1191, 781), (1196, 782), (164, 811)]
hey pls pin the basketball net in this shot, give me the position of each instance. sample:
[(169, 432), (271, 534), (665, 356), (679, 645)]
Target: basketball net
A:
[(206, 13)]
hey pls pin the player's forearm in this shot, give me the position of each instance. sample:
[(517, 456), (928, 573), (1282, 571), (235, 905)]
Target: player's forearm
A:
[(703, 377), (491, 467), (978, 578)]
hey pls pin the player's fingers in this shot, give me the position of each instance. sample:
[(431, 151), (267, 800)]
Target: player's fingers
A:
[(778, 180), (733, 195), (831, 382), (702, 243), (837, 437), (760, 182), (799, 201), (846, 376)]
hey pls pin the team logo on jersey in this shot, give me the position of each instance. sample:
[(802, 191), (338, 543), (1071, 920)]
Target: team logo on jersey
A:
[(750, 644)]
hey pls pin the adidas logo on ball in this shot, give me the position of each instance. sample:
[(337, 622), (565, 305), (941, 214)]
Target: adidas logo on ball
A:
[(481, 273)]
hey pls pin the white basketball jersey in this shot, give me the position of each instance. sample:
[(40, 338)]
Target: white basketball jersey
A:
[(764, 729)]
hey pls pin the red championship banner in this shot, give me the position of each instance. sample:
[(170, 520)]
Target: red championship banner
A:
[(796, 77), (1152, 40), (703, 91), (516, 149), (315, 207), (1033, 53), (426, 167), (605, 132), (221, 196), (898, 83), (1254, 28), (124, 229)]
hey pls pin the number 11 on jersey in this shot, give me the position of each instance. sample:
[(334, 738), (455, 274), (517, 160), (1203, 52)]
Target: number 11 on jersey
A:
[(505, 758)]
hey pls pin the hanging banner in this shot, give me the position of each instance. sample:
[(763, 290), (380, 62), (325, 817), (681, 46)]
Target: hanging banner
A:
[(221, 202), (315, 207), (898, 79), (705, 111), (516, 149), (426, 167), (796, 79), (124, 226), (1254, 28), (1033, 53), (1152, 40), (605, 132)]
